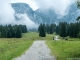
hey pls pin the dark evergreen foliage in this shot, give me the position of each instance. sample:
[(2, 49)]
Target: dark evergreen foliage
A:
[(18, 33), (52, 28), (41, 30), (10, 31), (64, 29), (47, 28)]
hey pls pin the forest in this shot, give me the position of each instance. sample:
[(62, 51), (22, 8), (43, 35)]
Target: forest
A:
[(63, 29), (12, 31)]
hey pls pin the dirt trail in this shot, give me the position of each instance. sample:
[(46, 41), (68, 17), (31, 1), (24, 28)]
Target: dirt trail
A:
[(38, 51)]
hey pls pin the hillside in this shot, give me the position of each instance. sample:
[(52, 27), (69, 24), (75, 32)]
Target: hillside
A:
[(46, 16)]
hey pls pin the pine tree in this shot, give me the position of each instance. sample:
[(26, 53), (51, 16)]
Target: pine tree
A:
[(24, 29), (9, 35), (47, 29), (18, 32), (42, 32), (51, 29), (63, 29), (57, 29)]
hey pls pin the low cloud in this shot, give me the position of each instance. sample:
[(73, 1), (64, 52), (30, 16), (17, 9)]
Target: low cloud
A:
[(6, 13), (24, 19), (60, 6), (7, 16)]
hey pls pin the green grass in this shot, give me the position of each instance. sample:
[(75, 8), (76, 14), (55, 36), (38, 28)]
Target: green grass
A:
[(65, 49), (11, 48), (35, 36), (74, 39)]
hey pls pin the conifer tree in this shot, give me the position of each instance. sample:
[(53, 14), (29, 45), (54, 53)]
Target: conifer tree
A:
[(62, 29), (18, 32), (51, 29), (42, 32), (47, 29)]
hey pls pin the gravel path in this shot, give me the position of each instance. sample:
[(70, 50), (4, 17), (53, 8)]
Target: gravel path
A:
[(38, 51)]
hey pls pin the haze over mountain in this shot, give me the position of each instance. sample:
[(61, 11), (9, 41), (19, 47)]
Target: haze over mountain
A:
[(50, 16), (46, 15), (23, 8), (33, 12)]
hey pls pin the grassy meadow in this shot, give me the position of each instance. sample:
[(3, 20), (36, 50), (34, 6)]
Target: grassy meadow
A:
[(65, 50), (13, 47), (35, 36), (10, 48)]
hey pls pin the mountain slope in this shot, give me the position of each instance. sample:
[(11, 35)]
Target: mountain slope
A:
[(49, 16), (45, 16), (23, 8)]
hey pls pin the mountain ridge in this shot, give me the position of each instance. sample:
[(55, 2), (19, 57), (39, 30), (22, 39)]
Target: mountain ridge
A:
[(23, 8), (46, 16)]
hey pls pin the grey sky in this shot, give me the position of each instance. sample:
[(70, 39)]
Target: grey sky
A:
[(7, 15), (7, 12), (59, 6)]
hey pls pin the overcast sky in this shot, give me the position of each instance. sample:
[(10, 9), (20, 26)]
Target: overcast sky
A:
[(7, 12), (43, 3), (59, 6)]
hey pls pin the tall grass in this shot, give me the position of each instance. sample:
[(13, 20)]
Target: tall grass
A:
[(35, 36), (10, 48), (13, 47), (64, 50)]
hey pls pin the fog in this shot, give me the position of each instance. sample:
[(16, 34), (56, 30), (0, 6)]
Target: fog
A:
[(7, 16), (7, 12), (59, 6), (25, 20)]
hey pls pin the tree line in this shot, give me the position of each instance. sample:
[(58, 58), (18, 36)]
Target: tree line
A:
[(63, 29), (12, 31)]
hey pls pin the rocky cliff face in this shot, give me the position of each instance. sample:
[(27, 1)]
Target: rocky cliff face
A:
[(45, 16), (49, 16), (23, 8)]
